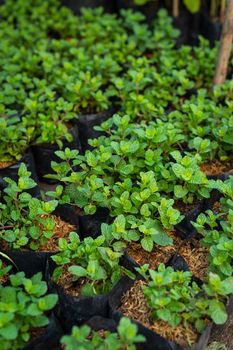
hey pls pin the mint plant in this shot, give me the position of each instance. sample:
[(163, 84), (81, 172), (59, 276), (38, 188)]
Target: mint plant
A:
[(23, 307), (15, 139), (175, 299), (24, 220), (48, 117), (188, 181), (92, 259), (82, 337), (219, 240), (216, 230)]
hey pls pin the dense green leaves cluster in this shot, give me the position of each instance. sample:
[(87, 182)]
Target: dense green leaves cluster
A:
[(55, 66), (25, 220), (91, 259), (83, 339), (216, 230), (23, 307), (173, 297)]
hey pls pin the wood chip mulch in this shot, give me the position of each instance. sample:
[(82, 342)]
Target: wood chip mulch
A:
[(216, 167), (4, 165), (195, 255), (62, 230), (134, 305)]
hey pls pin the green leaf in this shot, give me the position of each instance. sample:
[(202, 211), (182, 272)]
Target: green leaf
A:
[(9, 332), (147, 243), (77, 271), (218, 312), (193, 5)]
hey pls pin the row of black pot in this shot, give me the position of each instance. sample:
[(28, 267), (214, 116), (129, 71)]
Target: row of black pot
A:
[(99, 312), (38, 157)]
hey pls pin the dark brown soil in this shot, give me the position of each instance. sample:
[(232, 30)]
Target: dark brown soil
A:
[(36, 332)]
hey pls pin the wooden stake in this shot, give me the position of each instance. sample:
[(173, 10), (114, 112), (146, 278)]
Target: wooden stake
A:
[(175, 8), (225, 45)]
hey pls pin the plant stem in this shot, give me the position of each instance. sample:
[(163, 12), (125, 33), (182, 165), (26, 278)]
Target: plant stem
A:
[(225, 45), (222, 10), (175, 8), (213, 8)]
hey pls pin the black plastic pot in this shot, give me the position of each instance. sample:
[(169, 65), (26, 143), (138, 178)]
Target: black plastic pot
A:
[(76, 5), (86, 125), (44, 154), (71, 310), (50, 340), (215, 194), (12, 172), (86, 225), (185, 229), (29, 262), (90, 225), (153, 340), (68, 213)]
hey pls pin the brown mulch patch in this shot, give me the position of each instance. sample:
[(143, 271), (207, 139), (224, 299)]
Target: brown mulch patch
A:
[(134, 305), (6, 164), (62, 230), (195, 255), (71, 286), (216, 167)]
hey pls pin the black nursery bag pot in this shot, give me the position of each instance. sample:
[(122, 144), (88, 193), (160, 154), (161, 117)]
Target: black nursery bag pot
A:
[(86, 225), (71, 310), (44, 154), (153, 341), (86, 123)]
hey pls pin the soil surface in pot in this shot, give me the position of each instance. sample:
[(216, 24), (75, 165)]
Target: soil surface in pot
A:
[(194, 254), (216, 167), (4, 165), (36, 332), (71, 286), (134, 305), (62, 229), (185, 208)]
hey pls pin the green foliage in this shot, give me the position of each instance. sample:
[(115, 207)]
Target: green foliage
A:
[(92, 259), (216, 346), (23, 306), (193, 5), (25, 220), (216, 231), (83, 338), (174, 298), (15, 138)]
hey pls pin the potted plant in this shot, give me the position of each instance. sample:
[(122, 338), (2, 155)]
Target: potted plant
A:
[(15, 140), (172, 301), (28, 222), (125, 337), (24, 305)]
